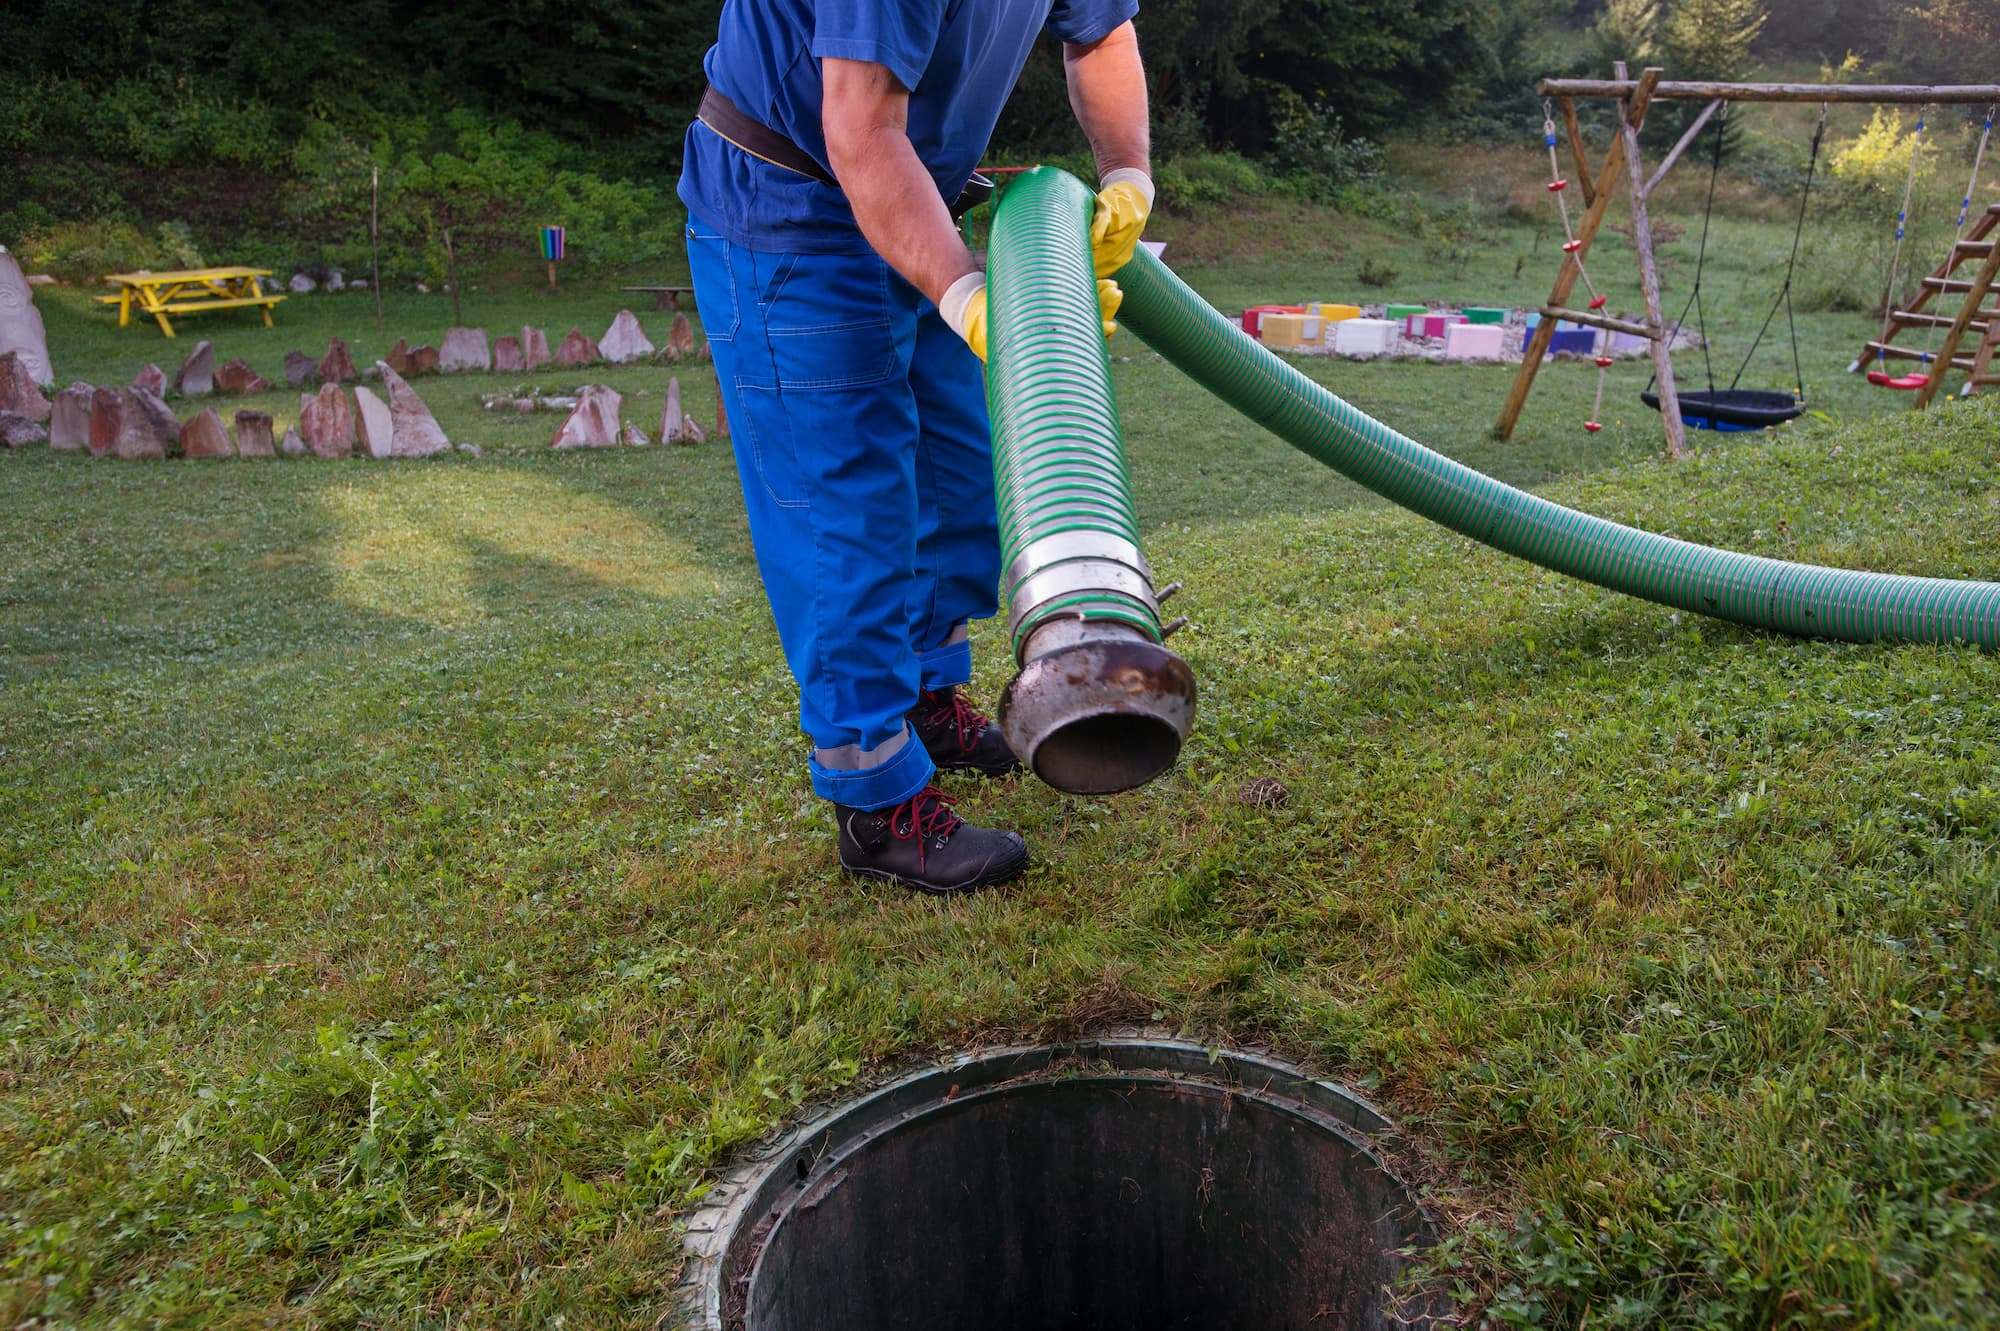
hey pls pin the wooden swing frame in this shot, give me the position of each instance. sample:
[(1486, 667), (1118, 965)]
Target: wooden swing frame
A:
[(1634, 98)]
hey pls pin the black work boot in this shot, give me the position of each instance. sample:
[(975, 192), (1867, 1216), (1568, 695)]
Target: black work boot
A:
[(958, 736), (921, 843)]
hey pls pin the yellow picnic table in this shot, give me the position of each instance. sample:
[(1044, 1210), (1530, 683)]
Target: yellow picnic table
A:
[(187, 291)]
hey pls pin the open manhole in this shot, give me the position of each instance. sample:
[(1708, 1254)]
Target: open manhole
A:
[(1118, 1185)]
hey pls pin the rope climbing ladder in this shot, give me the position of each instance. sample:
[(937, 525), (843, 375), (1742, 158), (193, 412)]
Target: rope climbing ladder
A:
[(1573, 247)]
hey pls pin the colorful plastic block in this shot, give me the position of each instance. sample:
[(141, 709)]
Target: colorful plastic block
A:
[(1365, 337), (1485, 314), (1334, 312), (1253, 317), (1470, 341), (1431, 325), (1291, 330), (1576, 341), (1404, 311)]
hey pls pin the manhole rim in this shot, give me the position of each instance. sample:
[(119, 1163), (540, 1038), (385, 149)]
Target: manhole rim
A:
[(791, 1158)]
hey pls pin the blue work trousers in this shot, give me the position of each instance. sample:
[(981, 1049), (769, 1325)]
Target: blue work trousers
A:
[(859, 423)]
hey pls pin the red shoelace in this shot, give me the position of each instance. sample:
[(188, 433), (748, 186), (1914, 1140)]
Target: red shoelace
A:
[(962, 716), (922, 816)]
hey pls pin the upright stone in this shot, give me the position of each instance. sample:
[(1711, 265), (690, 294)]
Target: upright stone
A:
[(239, 380), (19, 393), (423, 360), (534, 347), (293, 447), (203, 436), (576, 349), (327, 422), (414, 432), (721, 409), (337, 366), (301, 370), (151, 378), (196, 376), (378, 427), (107, 419), (69, 426), (253, 435), (625, 341), (507, 354), (673, 422), (594, 422), (398, 358), (21, 329), (17, 431), (149, 428), (635, 436), (680, 338), (464, 349)]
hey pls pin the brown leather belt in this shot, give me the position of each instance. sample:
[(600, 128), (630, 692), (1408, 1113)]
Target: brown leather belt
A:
[(762, 142)]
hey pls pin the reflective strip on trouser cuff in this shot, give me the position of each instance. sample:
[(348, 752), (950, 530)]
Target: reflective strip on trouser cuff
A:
[(949, 664), (874, 778)]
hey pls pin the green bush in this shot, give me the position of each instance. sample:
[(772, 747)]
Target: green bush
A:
[(86, 251), (1310, 149), (1198, 178), (1868, 175)]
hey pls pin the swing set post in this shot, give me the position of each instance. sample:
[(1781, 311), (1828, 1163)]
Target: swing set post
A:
[(1623, 152), (1649, 272)]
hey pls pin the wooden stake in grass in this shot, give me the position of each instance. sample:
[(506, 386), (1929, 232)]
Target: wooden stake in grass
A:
[(375, 242), (451, 270)]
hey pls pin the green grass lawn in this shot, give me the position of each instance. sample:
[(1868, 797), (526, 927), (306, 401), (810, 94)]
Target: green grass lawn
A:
[(410, 894)]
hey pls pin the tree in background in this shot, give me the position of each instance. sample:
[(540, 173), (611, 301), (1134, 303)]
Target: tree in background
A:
[(1705, 40), (1627, 30), (1949, 41), (1711, 39)]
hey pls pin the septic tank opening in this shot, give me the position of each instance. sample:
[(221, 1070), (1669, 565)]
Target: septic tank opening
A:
[(1114, 1186)]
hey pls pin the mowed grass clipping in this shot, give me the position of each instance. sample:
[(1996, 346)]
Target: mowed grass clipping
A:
[(410, 894)]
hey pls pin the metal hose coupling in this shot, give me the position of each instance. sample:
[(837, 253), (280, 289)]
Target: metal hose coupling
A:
[(1100, 703)]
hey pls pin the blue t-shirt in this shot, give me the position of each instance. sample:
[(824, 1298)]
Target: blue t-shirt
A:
[(958, 58)]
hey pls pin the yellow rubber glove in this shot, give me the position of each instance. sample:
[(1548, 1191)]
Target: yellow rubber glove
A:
[(964, 308), (1123, 206), (1109, 297)]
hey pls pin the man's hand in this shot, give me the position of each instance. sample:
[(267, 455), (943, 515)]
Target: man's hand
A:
[(1122, 208), (964, 308), (1107, 90)]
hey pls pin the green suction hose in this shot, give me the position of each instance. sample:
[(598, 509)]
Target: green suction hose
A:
[(1099, 705), (1801, 599), (1068, 539)]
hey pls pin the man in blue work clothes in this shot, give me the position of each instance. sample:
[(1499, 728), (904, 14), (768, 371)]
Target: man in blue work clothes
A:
[(848, 323)]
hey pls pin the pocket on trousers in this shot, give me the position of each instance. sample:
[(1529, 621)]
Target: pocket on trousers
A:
[(714, 283), (769, 429), (830, 322)]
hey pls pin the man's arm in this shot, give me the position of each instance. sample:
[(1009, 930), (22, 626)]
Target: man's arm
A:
[(865, 115), (1107, 90)]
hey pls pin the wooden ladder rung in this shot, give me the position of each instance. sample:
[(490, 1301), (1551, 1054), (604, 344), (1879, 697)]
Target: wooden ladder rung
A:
[(1948, 283), (1917, 319), (1893, 351), (1973, 249)]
